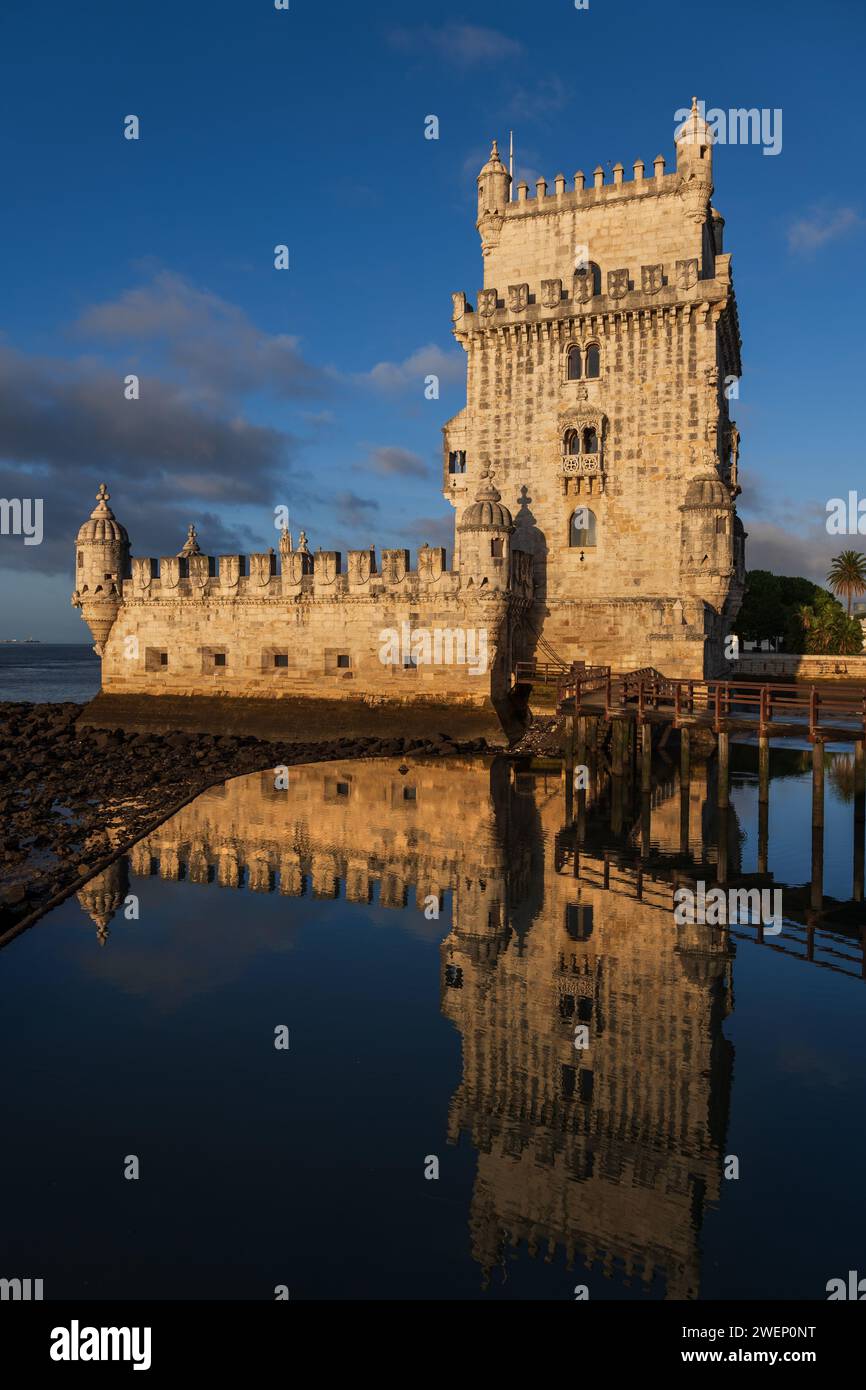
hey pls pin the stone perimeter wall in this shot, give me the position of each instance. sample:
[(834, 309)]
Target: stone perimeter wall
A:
[(310, 630), (791, 666)]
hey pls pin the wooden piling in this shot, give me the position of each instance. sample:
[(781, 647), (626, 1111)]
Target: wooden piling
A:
[(859, 817), (763, 802), (817, 896)]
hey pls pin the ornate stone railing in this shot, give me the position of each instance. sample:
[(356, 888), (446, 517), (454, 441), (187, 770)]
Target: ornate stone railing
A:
[(581, 465)]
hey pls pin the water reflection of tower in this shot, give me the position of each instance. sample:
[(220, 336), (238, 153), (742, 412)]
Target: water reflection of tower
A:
[(104, 895), (611, 1152)]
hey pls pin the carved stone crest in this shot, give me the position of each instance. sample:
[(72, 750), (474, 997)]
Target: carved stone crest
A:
[(617, 283), (584, 287), (360, 566), (261, 566), (652, 278), (293, 567), (326, 566), (394, 566), (230, 571), (551, 293), (518, 298), (430, 564), (142, 573), (487, 302), (458, 305), (169, 572), (687, 274), (199, 570)]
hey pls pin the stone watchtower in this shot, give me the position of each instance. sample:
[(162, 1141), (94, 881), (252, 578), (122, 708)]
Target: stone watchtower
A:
[(602, 352), (101, 565)]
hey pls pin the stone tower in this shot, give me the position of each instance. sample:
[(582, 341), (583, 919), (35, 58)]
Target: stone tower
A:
[(101, 565), (602, 352)]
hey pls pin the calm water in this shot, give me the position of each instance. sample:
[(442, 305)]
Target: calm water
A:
[(413, 1038), (49, 672)]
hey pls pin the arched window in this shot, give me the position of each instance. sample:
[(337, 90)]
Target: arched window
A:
[(571, 443), (590, 441), (593, 360), (573, 369), (581, 531), (496, 548), (457, 461)]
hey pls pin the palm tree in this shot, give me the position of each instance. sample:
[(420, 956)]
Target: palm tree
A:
[(848, 575)]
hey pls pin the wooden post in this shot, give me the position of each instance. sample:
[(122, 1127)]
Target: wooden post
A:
[(724, 768), (817, 898), (723, 799), (859, 817), (616, 776), (685, 788), (763, 800), (646, 734), (568, 764), (581, 739)]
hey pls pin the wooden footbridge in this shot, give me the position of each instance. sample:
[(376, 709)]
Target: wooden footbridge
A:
[(596, 704), (837, 715)]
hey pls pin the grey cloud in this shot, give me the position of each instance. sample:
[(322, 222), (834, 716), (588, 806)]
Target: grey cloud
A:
[(212, 342), (390, 459)]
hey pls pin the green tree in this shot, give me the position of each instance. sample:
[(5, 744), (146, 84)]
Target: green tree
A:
[(848, 575), (770, 608), (822, 628)]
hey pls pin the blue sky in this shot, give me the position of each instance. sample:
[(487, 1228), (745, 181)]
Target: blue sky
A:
[(306, 387)]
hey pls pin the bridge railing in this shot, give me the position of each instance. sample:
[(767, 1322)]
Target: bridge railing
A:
[(583, 680), (716, 701)]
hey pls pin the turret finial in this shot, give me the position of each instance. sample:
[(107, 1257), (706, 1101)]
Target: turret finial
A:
[(191, 546)]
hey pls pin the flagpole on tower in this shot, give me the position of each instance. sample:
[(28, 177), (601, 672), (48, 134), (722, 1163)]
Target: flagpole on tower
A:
[(511, 165)]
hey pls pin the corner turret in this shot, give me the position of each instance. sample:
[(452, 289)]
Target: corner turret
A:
[(494, 192), (484, 531), (101, 565), (694, 143)]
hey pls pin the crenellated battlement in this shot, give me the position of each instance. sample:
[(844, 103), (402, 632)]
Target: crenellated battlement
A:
[(299, 575), (601, 191)]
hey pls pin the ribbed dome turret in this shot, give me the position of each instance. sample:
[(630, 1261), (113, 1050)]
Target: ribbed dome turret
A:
[(694, 129), (103, 524), (494, 164), (486, 513), (707, 490)]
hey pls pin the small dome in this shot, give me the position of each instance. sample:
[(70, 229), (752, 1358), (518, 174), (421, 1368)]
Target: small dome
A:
[(103, 525), (486, 512), (494, 164), (694, 129), (707, 490)]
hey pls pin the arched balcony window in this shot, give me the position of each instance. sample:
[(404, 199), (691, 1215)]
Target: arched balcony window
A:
[(590, 441), (573, 364), (582, 529), (593, 361), (571, 442)]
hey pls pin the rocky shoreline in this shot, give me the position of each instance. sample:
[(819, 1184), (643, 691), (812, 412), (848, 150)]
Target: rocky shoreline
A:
[(72, 796)]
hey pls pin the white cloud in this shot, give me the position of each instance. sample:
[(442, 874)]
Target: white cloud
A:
[(465, 45), (821, 225), (426, 361)]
